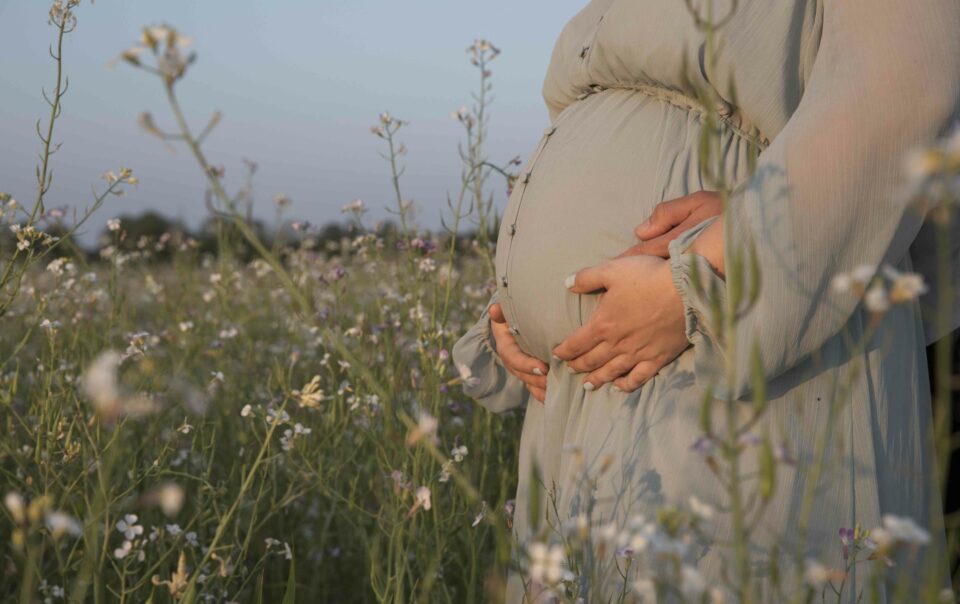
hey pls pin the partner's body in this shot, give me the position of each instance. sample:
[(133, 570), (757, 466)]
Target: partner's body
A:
[(624, 136)]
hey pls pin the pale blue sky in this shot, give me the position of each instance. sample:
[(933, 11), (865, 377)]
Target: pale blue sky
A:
[(299, 83)]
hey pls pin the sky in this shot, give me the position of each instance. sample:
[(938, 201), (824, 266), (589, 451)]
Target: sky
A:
[(299, 85)]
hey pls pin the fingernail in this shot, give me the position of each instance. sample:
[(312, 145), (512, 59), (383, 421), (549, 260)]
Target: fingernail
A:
[(643, 225), (536, 371), (569, 281), (555, 357), (615, 388), (588, 386)]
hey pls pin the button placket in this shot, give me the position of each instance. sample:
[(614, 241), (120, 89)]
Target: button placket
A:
[(585, 49), (512, 228)]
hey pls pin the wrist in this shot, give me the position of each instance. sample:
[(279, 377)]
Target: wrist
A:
[(709, 244)]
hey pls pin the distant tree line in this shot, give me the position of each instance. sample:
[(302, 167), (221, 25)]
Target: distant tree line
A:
[(214, 235)]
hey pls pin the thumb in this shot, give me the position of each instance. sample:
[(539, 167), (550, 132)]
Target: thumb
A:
[(496, 313), (587, 280)]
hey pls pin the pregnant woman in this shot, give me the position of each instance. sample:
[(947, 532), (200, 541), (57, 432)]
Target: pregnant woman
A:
[(611, 353)]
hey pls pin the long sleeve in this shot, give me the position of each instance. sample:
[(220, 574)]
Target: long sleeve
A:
[(490, 383), (828, 193)]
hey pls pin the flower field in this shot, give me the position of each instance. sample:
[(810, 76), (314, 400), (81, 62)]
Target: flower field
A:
[(277, 418)]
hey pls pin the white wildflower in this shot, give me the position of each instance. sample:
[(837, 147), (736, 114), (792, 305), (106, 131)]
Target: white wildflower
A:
[(129, 527), (904, 286), (876, 299), (60, 523), (311, 395), (16, 505), (700, 509), (355, 207), (170, 496), (458, 453), (480, 515), (817, 575), (421, 500), (547, 565), (426, 428), (841, 283), (898, 529), (124, 550), (467, 375)]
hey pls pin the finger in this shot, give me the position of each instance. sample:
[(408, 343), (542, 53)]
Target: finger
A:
[(527, 378), (538, 393), (638, 376), (609, 372), (659, 246), (496, 313), (633, 250), (588, 280), (531, 381), (579, 342), (665, 216), (510, 353), (516, 364), (598, 356)]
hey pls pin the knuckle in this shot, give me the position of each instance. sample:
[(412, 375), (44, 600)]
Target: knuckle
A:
[(604, 328)]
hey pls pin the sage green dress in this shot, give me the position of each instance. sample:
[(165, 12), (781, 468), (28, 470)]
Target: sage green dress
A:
[(834, 93)]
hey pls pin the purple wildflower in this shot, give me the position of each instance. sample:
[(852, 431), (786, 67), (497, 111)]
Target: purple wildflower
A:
[(846, 540), (704, 444)]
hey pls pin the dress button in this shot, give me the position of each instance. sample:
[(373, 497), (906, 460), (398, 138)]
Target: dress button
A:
[(724, 109), (549, 130), (503, 281), (583, 51), (512, 229), (526, 177)]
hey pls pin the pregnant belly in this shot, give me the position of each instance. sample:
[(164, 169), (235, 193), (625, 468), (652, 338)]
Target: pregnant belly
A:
[(609, 160)]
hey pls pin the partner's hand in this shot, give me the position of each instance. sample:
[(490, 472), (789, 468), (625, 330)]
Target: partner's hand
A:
[(671, 218), (638, 327), (531, 370)]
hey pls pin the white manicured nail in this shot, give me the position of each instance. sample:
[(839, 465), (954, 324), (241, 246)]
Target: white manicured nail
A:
[(536, 371), (569, 281), (588, 386), (616, 388), (555, 357)]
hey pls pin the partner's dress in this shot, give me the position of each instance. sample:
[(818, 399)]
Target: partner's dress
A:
[(834, 92)]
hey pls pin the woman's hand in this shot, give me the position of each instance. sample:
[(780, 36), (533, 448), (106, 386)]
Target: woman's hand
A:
[(671, 218), (531, 370), (637, 329)]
